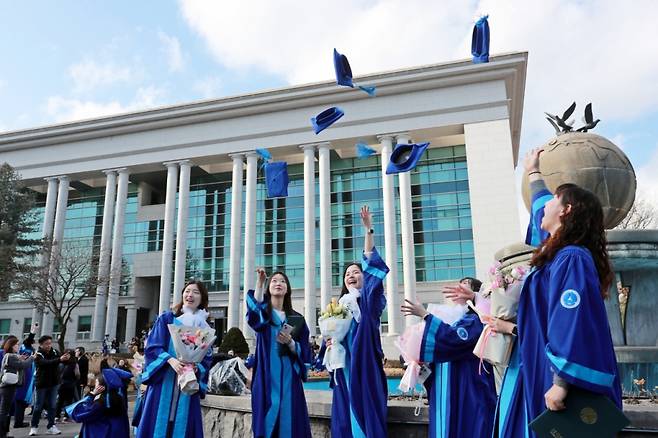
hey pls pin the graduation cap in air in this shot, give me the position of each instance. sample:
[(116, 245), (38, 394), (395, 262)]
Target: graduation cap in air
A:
[(344, 74), (276, 175), (480, 41), (326, 118), (405, 157), (364, 151)]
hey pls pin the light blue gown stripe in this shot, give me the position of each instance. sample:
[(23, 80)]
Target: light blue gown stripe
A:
[(285, 414), (164, 405), (182, 411), (155, 365), (430, 339), (580, 372), (372, 270), (275, 382), (540, 202), (357, 432), (508, 387), (445, 401)]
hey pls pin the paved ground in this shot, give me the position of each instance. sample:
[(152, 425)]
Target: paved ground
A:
[(69, 430)]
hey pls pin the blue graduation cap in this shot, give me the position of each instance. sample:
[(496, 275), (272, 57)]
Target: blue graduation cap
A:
[(364, 151), (114, 377), (405, 157), (344, 74), (480, 41), (276, 179), (326, 118)]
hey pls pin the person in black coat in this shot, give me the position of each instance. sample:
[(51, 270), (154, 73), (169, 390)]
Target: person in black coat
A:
[(83, 366)]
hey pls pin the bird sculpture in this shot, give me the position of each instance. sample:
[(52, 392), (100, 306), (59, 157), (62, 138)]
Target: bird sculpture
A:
[(590, 123), (559, 123)]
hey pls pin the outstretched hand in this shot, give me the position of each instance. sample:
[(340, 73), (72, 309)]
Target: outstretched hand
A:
[(531, 160), (262, 276), (416, 309), (366, 217), (458, 292)]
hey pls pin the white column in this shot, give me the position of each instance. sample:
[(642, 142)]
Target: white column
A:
[(168, 238), (250, 235), (234, 304), (57, 239), (98, 320), (117, 254), (131, 323), (490, 166), (181, 229), (407, 234), (46, 234), (390, 239), (309, 236), (325, 224)]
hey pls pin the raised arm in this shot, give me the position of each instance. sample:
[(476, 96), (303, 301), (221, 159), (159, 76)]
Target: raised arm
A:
[(260, 284), (366, 221), (540, 195)]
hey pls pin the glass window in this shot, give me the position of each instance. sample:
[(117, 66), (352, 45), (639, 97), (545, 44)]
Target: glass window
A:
[(84, 327), (5, 328), (27, 325)]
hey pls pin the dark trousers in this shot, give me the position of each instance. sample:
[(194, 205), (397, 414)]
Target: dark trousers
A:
[(19, 412), (6, 399), (66, 397), (45, 397)]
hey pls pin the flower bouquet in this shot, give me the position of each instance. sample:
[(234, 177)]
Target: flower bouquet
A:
[(191, 345), (503, 291), (335, 323)]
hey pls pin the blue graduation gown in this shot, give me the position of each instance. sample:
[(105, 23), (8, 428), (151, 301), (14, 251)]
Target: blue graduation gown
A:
[(95, 421), (167, 412), (359, 391), (563, 328), (462, 401), (24, 392), (278, 404)]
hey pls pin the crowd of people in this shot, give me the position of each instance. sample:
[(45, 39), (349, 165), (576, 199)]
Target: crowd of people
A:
[(561, 341)]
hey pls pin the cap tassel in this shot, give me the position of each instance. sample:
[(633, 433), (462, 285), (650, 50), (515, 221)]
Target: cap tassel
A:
[(371, 90)]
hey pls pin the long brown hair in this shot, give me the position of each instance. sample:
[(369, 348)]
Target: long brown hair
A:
[(582, 225), (9, 344), (287, 298), (178, 308)]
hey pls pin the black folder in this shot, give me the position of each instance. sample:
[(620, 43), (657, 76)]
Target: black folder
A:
[(587, 414)]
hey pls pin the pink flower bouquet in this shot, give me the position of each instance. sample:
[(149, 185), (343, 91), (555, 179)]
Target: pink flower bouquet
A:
[(191, 345), (409, 345)]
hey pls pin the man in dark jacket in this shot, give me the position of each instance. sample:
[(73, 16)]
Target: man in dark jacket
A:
[(46, 381), (83, 365)]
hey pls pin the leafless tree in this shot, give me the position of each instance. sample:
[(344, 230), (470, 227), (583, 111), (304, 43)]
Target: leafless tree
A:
[(642, 215), (59, 280)]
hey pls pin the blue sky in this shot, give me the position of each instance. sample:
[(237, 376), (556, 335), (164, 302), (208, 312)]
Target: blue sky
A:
[(70, 60)]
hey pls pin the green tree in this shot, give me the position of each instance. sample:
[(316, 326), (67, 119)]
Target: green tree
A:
[(234, 340), (17, 221)]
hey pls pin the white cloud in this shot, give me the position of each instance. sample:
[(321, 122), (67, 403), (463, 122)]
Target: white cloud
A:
[(647, 179), (172, 49), (63, 109), (208, 87), (89, 75)]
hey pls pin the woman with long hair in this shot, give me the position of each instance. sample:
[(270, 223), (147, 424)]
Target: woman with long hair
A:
[(359, 390), (69, 374), (17, 365), (103, 412), (283, 356), (167, 412), (564, 339)]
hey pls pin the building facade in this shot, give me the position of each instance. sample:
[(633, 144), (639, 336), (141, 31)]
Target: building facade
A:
[(137, 188)]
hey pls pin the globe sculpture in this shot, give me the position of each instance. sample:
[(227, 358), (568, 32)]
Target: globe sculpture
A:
[(592, 162)]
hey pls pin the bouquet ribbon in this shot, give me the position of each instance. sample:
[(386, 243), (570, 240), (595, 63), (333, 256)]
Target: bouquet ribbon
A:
[(410, 377)]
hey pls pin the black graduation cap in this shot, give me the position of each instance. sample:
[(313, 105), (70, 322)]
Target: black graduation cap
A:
[(276, 179), (405, 157), (326, 118), (344, 74), (480, 41)]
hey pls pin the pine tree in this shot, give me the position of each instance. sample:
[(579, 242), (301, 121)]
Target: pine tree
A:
[(17, 221)]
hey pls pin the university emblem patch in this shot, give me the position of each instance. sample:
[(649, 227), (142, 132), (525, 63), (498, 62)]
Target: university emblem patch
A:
[(570, 299), (462, 333)]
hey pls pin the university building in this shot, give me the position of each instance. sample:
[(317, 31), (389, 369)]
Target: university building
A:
[(178, 192)]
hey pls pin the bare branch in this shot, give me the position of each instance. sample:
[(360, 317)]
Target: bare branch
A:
[(642, 215)]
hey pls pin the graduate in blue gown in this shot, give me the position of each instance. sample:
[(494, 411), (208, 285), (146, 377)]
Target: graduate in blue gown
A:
[(165, 410), (563, 333), (360, 390), (462, 396), (23, 396), (103, 412), (283, 357)]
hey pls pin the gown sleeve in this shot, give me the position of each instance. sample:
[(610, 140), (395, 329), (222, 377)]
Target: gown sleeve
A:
[(374, 271), (444, 343), (156, 353), (257, 315), (578, 349), (86, 410), (301, 358), (535, 235)]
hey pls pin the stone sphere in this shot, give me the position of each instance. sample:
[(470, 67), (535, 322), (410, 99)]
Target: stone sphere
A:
[(594, 163)]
